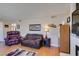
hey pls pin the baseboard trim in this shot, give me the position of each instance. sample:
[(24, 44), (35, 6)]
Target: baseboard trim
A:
[(2, 41), (64, 54), (54, 45)]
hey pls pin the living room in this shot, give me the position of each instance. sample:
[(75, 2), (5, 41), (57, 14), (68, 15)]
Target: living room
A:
[(37, 20)]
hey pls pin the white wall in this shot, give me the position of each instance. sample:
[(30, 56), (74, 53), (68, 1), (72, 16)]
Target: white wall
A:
[(1, 32), (72, 40), (53, 32), (7, 22)]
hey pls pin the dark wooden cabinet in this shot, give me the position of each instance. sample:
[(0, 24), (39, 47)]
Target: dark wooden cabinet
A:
[(65, 38)]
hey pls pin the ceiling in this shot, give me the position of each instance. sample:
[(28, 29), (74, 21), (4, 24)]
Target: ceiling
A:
[(24, 11)]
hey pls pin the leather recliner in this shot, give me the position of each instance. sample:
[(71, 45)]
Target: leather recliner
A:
[(13, 37)]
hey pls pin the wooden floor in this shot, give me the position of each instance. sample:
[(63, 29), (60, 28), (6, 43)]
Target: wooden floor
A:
[(43, 51)]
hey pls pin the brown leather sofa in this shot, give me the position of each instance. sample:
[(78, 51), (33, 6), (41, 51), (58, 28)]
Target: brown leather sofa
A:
[(32, 40)]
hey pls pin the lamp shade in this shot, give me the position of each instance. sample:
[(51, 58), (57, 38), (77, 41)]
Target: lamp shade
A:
[(46, 28)]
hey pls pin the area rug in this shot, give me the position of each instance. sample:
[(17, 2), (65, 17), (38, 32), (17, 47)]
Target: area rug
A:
[(21, 52)]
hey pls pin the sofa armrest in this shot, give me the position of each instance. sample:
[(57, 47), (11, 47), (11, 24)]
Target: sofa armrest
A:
[(21, 38), (6, 39), (38, 41)]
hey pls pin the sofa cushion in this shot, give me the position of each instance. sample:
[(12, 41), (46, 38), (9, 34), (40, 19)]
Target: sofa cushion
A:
[(34, 36), (29, 37), (32, 42)]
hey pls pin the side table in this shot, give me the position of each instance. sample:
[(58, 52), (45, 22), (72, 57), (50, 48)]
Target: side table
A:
[(47, 42)]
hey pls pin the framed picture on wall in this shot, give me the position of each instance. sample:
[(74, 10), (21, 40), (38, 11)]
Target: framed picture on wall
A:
[(18, 26), (35, 27), (68, 20)]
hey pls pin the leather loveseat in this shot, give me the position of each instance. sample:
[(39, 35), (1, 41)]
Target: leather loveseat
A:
[(32, 40)]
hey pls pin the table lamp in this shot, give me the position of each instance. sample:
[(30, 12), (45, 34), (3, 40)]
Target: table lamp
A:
[(46, 30)]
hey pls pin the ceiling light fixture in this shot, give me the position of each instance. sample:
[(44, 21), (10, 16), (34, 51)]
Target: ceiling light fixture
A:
[(52, 25)]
